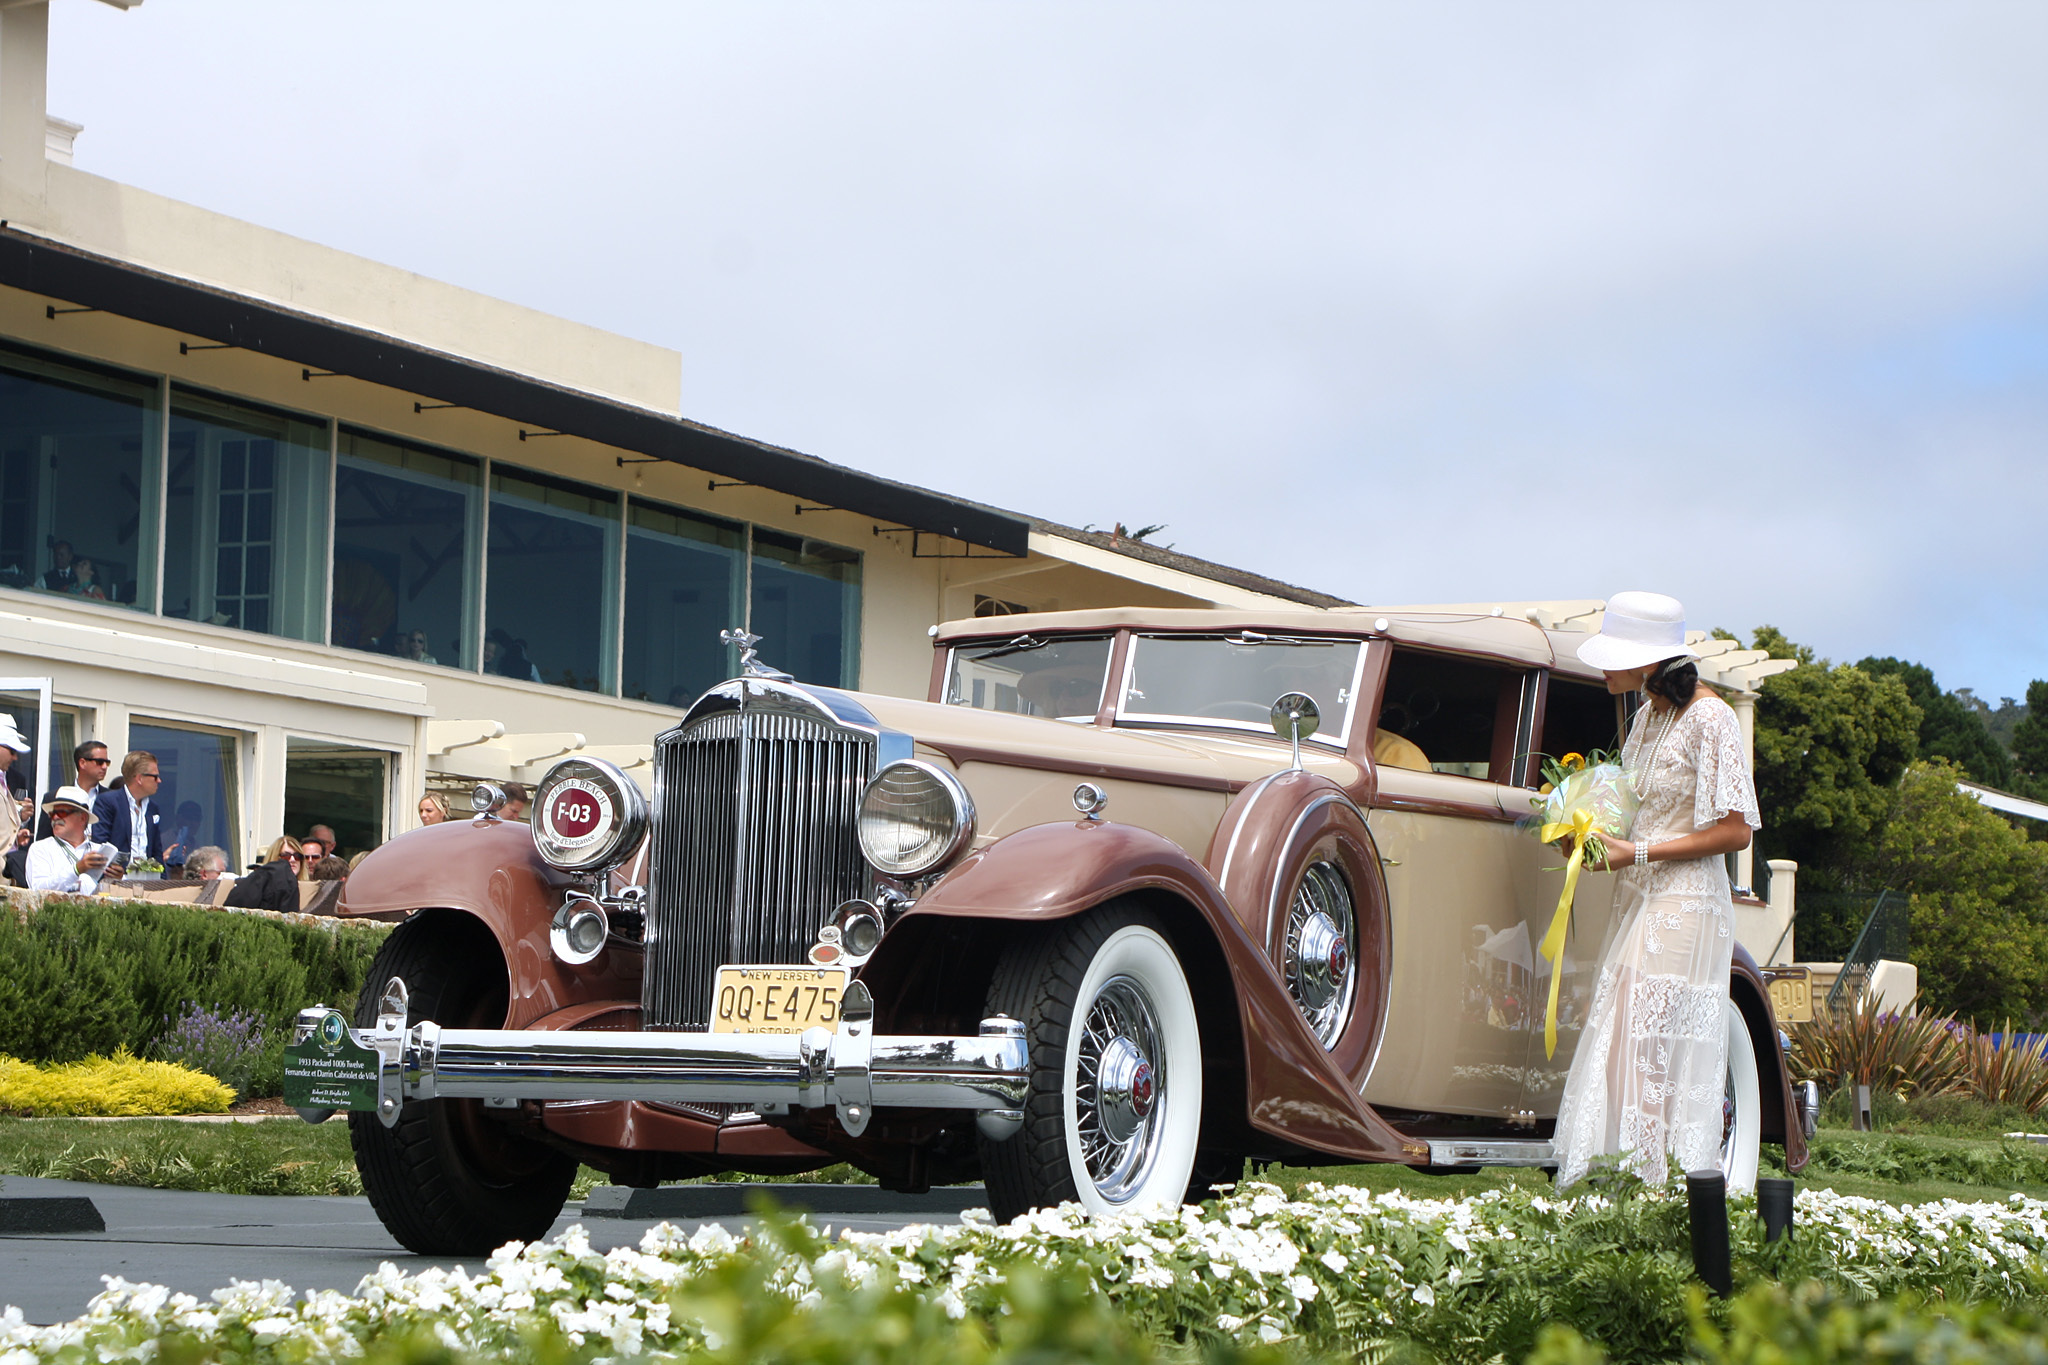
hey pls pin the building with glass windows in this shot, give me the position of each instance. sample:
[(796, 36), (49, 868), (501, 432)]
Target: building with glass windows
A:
[(322, 534)]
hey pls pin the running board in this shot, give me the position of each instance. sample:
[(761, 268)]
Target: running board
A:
[(1491, 1152)]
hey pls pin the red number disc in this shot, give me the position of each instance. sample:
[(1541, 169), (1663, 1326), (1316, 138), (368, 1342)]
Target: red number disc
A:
[(574, 814)]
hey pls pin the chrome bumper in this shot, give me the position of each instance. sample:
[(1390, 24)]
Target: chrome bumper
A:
[(852, 1070)]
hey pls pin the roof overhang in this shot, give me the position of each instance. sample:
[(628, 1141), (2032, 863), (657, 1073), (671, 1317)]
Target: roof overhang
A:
[(2004, 802), (88, 280)]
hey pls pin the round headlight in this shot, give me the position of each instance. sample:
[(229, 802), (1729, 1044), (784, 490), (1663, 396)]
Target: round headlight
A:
[(587, 816), (914, 817)]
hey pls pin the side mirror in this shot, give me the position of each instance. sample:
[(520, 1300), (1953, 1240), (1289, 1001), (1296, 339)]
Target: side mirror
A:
[(1295, 718)]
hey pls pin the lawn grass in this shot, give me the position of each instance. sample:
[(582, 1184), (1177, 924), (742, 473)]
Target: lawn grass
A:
[(286, 1156), (1864, 1150)]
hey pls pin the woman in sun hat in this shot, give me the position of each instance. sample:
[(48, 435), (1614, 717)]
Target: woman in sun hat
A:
[(1649, 1075)]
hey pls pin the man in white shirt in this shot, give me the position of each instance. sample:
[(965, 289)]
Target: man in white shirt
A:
[(66, 861)]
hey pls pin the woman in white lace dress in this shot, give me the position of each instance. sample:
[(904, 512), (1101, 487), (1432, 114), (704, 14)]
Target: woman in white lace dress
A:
[(1647, 1080)]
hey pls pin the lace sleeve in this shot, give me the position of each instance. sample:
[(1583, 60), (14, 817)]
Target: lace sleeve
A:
[(1724, 783)]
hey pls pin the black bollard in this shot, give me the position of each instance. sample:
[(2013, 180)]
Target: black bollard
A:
[(1706, 1194), (1774, 1206)]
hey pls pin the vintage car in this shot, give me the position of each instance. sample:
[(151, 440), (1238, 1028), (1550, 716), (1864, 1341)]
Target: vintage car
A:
[(1133, 897)]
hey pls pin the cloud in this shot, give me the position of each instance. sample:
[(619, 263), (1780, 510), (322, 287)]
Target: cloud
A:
[(1748, 303)]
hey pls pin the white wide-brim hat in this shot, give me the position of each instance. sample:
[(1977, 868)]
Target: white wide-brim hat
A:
[(68, 798), (1640, 628), (10, 737)]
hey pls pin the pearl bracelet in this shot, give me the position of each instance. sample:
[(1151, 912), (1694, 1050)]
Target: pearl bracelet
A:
[(1643, 853)]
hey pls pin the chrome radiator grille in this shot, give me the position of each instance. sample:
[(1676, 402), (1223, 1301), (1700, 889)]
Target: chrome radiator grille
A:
[(754, 846)]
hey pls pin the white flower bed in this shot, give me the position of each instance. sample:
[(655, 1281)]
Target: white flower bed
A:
[(1254, 1266)]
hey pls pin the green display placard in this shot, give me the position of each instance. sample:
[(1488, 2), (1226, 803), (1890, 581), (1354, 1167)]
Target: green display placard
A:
[(331, 1070)]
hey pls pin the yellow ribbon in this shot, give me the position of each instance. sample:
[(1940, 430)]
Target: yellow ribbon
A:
[(1580, 831)]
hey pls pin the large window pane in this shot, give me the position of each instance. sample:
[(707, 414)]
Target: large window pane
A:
[(685, 582), (806, 608), (336, 785), (552, 582), (407, 523), (245, 527), (200, 799), (78, 479)]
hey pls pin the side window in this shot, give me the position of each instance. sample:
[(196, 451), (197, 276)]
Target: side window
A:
[(1444, 714), (1579, 717)]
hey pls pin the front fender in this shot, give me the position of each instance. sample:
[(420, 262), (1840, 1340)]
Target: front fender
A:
[(1048, 872), (492, 873)]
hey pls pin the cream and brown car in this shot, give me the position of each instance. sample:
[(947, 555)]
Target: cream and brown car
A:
[(1133, 897)]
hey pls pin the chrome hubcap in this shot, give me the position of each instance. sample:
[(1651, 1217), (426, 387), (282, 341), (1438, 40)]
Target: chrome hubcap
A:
[(1120, 1085), (1322, 950), (1123, 1089)]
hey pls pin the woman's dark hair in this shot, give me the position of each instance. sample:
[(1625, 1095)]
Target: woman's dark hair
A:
[(1675, 680)]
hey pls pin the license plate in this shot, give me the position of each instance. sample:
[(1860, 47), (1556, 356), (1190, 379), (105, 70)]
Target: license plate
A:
[(1791, 994), (777, 999)]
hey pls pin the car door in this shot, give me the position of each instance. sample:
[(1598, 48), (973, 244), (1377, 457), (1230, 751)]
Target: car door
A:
[(1448, 749)]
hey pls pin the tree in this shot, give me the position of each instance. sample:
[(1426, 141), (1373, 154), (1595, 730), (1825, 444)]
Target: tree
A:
[(1978, 923), (1831, 741), (1949, 727), (2030, 739)]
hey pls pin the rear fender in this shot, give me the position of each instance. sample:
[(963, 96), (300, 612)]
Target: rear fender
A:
[(1779, 1119), (1049, 872), (492, 873)]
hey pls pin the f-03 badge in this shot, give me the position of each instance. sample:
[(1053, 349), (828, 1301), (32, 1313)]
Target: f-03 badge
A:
[(578, 814), (330, 1069)]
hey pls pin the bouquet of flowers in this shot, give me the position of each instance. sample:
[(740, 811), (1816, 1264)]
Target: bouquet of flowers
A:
[(1581, 793)]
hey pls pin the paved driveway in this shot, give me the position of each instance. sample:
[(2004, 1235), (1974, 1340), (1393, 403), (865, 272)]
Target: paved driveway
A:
[(198, 1242)]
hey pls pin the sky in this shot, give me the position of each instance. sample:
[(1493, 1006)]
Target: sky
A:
[(1744, 303)]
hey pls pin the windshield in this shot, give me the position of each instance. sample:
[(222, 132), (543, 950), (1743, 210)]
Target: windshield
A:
[(1056, 676), (1234, 680)]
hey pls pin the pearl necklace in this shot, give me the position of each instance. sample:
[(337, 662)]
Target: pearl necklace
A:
[(1641, 774)]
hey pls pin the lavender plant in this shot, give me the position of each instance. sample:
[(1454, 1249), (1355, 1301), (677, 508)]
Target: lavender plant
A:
[(224, 1043)]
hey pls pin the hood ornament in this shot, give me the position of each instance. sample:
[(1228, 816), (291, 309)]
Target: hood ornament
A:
[(750, 664)]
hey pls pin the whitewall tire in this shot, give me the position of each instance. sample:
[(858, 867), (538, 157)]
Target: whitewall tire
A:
[(1741, 1106), (1114, 1117)]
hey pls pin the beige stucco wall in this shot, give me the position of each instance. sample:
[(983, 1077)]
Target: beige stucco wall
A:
[(163, 234)]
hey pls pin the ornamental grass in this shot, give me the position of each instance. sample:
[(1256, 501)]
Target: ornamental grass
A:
[(1893, 1052), (2016, 1074)]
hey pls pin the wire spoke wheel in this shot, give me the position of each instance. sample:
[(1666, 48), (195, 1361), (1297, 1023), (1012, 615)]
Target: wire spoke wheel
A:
[(1114, 1115), (1118, 1087), (1320, 961)]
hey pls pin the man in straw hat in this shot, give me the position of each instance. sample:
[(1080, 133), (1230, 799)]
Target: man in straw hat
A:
[(67, 861)]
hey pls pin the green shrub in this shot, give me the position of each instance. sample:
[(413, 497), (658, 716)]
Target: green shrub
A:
[(1956, 1116), (79, 977), (1905, 1160), (120, 1085), (1769, 1324)]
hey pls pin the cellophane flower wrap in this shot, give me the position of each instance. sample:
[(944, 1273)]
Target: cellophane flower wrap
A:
[(1582, 797), (1603, 791)]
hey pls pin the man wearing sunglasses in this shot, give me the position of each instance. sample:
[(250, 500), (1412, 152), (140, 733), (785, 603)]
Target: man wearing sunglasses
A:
[(127, 817), (89, 765)]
